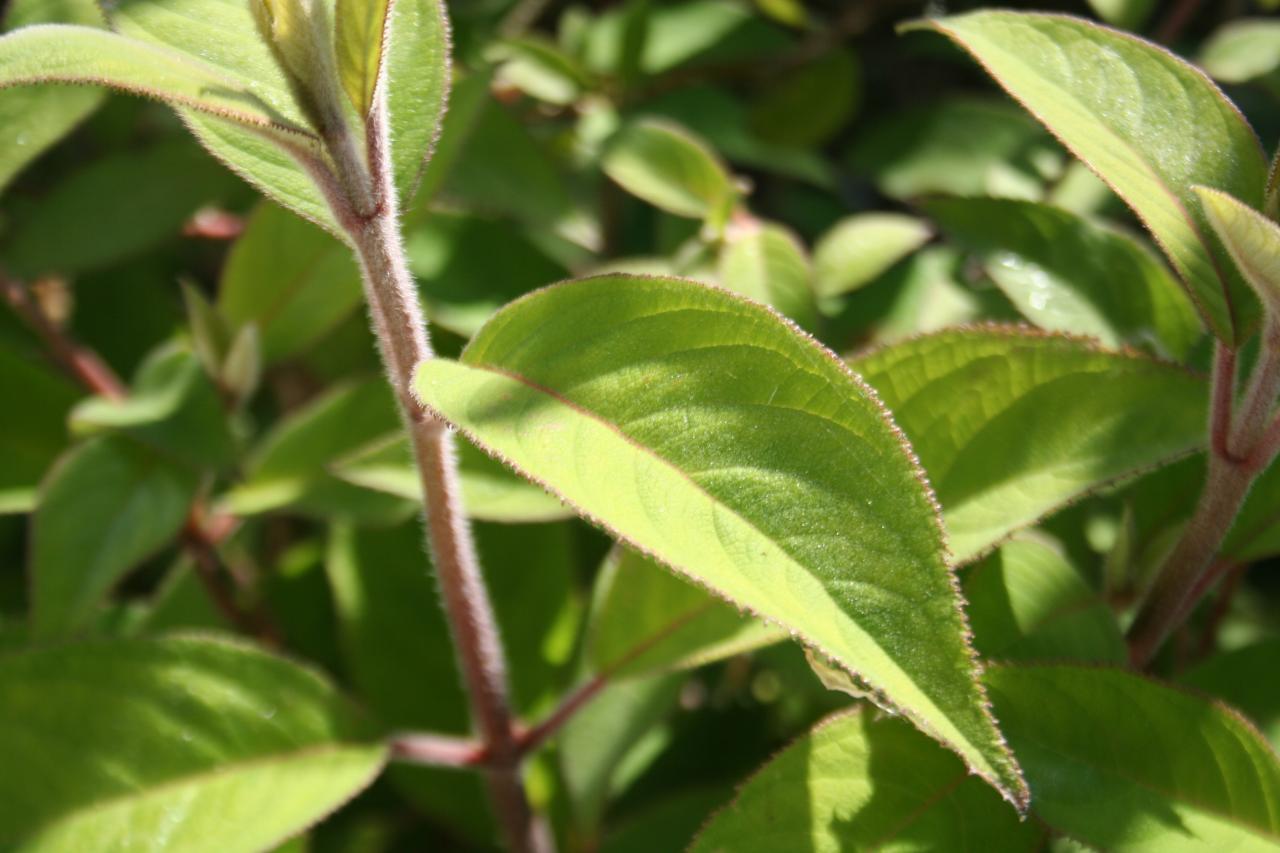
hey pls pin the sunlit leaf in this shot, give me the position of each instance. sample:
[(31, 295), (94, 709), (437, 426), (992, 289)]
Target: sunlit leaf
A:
[(745, 457), (174, 742), (670, 169), (767, 263), (1148, 123), (1010, 423), (1242, 50), (859, 248), (1252, 239), (361, 29)]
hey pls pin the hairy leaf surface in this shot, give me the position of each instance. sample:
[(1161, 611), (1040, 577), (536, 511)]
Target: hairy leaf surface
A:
[(1252, 239), (1010, 423), (704, 430)]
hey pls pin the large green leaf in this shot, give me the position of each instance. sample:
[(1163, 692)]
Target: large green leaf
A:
[(292, 280), (1011, 424), (1122, 763), (183, 744), (1066, 273), (105, 506), (860, 783), (645, 620), (1027, 602), (1148, 123), (744, 456)]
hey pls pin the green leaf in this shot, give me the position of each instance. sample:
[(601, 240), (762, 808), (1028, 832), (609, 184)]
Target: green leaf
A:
[(1121, 763), (1252, 239), (859, 783), (1245, 678), (168, 743), (172, 407), (960, 147), (666, 166), (1027, 602), (32, 428), (1164, 130), (744, 456), (537, 67), (645, 620), (1242, 50), (860, 248), (58, 53), (806, 105), (290, 279), (119, 206), (768, 263), (361, 29), (490, 492), (418, 75), (33, 119), (1125, 14), (1067, 273), (106, 505), (1011, 424)]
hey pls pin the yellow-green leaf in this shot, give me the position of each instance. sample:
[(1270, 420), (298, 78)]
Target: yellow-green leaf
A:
[(360, 38), (1252, 239)]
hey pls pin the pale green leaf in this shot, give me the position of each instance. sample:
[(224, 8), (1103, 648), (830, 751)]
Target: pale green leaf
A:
[(1252, 239), (859, 783), (669, 168), (58, 53), (540, 69), (645, 620), (1011, 424), (292, 280), (1148, 123), (183, 744), (1243, 50), (106, 505), (1067, 273), (767, 263), (1027, 602), (418, 75), (860, 248), (1122, 763), (744, 456), (360, 36)]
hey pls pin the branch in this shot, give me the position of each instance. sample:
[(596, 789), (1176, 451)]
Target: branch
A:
[(438, 750), (200, 541)]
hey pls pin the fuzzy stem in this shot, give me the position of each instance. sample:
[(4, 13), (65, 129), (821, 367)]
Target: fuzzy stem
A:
[(1240, 449), (368, 212)]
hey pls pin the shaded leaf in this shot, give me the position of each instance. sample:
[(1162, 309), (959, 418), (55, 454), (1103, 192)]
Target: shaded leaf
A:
[(644, 620), (742, 455), (1066, 273), (1011, 424), (106, 505), (859, 783), (32, 432), (187, 736), (1163, 130), (806, 105), (1027, 602), (1122, 763), (1244, 678), (1125, 14)]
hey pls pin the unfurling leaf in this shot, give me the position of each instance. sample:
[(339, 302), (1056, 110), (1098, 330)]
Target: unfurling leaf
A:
[(1252, 239), (746, 457), (361, 38), (1151, 126)]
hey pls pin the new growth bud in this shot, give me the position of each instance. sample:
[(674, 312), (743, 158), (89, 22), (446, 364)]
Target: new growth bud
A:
[(300, 36)]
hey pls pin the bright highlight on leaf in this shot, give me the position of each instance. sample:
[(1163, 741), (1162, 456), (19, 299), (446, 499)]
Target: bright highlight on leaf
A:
[(1011, 423), (707, 432), (1252, 239), (1151, 126), (179, 744)]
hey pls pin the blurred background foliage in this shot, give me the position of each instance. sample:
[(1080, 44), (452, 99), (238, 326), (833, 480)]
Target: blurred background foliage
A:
[(868, 185)]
